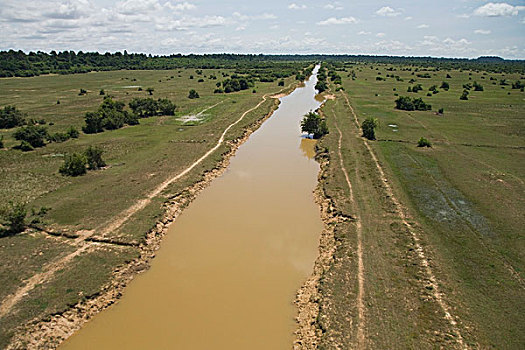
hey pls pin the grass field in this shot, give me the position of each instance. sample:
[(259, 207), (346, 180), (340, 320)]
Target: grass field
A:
[(139, 158), (465, 197)]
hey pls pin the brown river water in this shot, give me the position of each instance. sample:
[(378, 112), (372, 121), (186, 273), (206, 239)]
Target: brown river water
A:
[(229, 268)]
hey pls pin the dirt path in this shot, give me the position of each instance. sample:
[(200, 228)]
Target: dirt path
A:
[(359, 231), (49, 270), (432, 281)]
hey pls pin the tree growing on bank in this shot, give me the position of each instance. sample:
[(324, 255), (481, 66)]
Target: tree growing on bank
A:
[(368, 126), (313, 124)]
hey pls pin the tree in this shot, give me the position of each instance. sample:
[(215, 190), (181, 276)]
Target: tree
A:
[(10, 116), (312, 123), (368, 126), (94, 123), (94, 158), (13, 216), (72, 132), (193, 94), (445, 86), (464, 95), (423, 142), (102, 92), (32, 134), (321, 86), (150, 90), (74, 165), (477, 87)]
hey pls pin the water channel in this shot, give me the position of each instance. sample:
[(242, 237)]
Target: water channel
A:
[(228, 269)]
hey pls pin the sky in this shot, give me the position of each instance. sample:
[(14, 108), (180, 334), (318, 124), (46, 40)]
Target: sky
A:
[(439, 28)]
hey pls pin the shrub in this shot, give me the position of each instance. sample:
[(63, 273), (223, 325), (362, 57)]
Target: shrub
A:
[(25, 146), (464, 95), (445, 86), (10, 116), (423, 142), (477, 87), (280, 83), (13, 216), (312, 123), (150, 90), (518, 85), (82, 92), (102, 92), (58, 137), (409, 104), (2, 141), (74, 165), (72, 132), (94, 158), (441, 111), (34, 135), (321, 86), (193, 94), (368, 126)]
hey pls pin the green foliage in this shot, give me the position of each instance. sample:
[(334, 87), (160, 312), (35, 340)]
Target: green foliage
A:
[(280, 83), (518, 85), (2, 141), (147, 107), (150, 90), (236, 83), (441, 111), (58, 137), (368, 126), (94, 158), (10, 116), (464, 95), (445, 86), (193, 94), (412, 104), (82, 92), (312, 123), (423, 142), (74, 165), (25, 146), (477, 87), (110, 115), (72, 132), (13, 216), (32, 134), (102, 92), (321, 86)]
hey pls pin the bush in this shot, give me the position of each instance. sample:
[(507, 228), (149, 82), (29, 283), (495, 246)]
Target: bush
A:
[(74, 165), (423, 142), (94, 158), (478, 87), (150, 90), (441, 111), (408, 104), (312, 123), (464, 95), (445, 86), (13, 216), (321, 86), (58, 137), (280, 83), (10, 116), (2, 141), (368, 126), (193, 94), (25, 146), (102, 92), (34, 135), (82, 92), (72, 132)]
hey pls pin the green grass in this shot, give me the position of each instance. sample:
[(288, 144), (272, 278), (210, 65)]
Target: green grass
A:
[(466, 193)]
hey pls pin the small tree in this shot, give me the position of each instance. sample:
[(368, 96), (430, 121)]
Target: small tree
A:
[(150, 90), (423, 142), (10, 116), (74, 165), (464, 95), (13, 216), (94, 158), (368, 126), (445, 86), (477, 87), (312, 123), (102, 92), (193, 94), (32, 134), (72, 132), (2, 141)]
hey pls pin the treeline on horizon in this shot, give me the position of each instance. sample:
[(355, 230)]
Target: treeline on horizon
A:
[(19, 64)]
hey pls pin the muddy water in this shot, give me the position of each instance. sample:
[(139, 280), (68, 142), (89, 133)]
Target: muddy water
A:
[(228, 270)]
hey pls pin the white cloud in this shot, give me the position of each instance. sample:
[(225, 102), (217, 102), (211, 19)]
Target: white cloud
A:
[(334, 6), (408, 18), (181, 6), (334, 20), (423, 26), (498, 9), (387, 11), (364, 33), (294, 6), (482, 31), (380, 35), (134, 7), (264, 16)]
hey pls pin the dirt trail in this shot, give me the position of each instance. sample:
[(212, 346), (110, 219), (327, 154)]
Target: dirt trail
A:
[(432, 281), (360, 266), (49, 270)]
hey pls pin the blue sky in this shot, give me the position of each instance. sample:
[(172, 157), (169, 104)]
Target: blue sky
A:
[(460, 28)]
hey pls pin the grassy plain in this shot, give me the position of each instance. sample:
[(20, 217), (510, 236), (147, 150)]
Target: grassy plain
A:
[(139, 158), (465, 197)]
